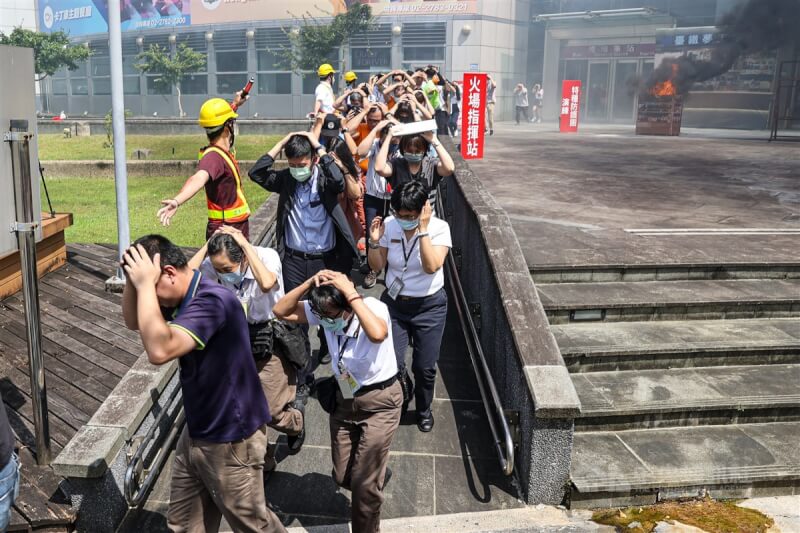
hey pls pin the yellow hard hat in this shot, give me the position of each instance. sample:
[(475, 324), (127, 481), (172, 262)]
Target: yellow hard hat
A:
[(325, 69), (350, 76), (215, 112)]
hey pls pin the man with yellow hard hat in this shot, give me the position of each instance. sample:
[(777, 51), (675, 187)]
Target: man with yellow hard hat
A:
[(324, 96), (217, 172)]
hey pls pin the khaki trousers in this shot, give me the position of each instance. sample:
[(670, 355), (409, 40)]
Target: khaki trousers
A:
[(279, 381), (490, 114), (361, 433), (211, 480)]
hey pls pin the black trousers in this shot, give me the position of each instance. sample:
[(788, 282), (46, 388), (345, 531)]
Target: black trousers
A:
[(421, 321), (374, 207), (521, 110), (441, 122), (296, 270)]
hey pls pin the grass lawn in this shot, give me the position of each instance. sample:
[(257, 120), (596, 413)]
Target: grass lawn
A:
[(92, 202), (53, 146)]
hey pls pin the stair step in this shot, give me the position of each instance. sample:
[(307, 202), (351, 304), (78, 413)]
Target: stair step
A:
[(687, 396), (727, 461), (673, 300), (667, 344), (581, 272)]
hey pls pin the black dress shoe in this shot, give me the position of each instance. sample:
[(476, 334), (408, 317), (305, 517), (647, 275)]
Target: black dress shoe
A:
[(425, 423), (387, 477)]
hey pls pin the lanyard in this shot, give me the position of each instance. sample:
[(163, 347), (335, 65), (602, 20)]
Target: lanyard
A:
[(407, 256), (343, 347)]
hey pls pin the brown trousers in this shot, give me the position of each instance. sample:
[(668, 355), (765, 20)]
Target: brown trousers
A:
[(361, 433), (279, 380), (211, 480)]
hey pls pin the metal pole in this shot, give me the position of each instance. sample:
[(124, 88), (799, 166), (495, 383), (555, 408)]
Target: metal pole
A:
[(117, 283), (25, 228)]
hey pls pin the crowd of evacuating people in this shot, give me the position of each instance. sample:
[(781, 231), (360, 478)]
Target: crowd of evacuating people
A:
[(355, 201)]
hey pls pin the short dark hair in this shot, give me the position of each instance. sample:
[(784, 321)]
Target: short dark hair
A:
[(405, 109), (325, 297), (298, 146), (339, 147), (409, 196), (376, 108), (414, 141), (222, 242), (171, 255)]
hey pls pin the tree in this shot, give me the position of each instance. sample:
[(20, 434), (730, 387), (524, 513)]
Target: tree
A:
[(171, 67), (313, 42), (51, 51)]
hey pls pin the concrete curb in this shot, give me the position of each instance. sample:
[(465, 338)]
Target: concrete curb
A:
[(90, 452), (540, 518)]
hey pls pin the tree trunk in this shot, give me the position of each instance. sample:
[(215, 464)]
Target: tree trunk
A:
[(180, 103)]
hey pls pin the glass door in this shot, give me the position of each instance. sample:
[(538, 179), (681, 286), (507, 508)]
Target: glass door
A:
[(624, 90), (597, 91)]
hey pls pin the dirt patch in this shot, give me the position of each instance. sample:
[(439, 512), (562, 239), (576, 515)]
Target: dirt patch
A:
[(707, 514)]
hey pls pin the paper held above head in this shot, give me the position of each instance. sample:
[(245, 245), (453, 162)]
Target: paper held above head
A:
[(413, 127)]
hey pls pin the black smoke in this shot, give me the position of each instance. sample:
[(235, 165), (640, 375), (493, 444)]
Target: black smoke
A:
[(752, 27)]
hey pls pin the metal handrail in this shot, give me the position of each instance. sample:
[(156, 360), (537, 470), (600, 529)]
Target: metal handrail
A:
[(492, 403), (136, 492)]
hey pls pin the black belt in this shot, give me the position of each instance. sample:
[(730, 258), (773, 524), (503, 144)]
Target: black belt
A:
[(308, 256), (376, 386)]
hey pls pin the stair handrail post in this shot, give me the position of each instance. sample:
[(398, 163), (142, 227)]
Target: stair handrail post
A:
[(25, 227)]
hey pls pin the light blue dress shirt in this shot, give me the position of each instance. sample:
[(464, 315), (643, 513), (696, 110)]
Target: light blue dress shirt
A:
[(310, 229)]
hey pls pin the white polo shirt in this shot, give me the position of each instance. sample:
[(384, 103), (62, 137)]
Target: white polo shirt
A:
[(324, 93), (366, 361), (417, 282), (376, 184), (258, 304)]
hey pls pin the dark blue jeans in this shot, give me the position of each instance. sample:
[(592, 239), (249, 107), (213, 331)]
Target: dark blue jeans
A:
[(421, 321)]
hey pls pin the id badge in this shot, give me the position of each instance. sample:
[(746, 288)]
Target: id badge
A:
[(347, 386), (396, 287)]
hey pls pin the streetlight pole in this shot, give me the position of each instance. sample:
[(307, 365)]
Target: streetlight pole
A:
[(117, 283)]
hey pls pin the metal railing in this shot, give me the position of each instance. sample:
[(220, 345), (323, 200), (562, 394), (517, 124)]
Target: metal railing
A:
[(150, 452), (504, 445)]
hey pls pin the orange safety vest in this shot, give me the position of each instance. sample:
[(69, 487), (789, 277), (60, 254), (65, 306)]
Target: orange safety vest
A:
[(239, 211)]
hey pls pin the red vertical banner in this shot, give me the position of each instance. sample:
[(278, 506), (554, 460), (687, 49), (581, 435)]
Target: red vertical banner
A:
[(473, 115), (570, 105)]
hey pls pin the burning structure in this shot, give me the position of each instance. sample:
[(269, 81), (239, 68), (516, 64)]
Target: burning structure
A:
[(753, 28)]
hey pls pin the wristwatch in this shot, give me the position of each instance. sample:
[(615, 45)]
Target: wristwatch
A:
[(373, 244)]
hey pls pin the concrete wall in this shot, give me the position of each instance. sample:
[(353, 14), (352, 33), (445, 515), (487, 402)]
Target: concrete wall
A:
[(522, 354), (15, 13)]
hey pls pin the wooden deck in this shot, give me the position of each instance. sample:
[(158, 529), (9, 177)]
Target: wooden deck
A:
[(87, 350)]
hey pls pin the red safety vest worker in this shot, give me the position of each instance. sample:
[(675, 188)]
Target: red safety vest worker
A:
[(217, 172)]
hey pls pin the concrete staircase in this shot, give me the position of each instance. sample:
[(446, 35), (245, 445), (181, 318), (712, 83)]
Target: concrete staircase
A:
[(689, 379)]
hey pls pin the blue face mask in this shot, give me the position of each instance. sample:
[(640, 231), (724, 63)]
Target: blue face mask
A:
[(301, 174), (413, 158), (334, 325), (232, 278), (408, 224)]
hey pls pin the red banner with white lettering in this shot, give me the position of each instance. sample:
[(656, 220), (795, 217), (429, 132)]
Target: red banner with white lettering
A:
[(570, 105), (473, 115)]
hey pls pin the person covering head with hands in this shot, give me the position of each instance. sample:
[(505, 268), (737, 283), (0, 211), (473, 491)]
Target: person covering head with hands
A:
[(416, 164), (312, 231), (219, 459), (254, 275), (369, 398), (217, 172), (412, 245)]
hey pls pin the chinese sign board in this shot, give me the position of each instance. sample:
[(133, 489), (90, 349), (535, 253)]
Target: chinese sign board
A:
[(85, 17), (608, 50), (473, 117), (570, 106), (82, 17)]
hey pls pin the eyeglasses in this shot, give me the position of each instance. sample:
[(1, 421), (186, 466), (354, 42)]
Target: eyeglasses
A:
[(396, 215), (317, 313)]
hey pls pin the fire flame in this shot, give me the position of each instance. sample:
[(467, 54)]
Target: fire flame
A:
[(666, 88)]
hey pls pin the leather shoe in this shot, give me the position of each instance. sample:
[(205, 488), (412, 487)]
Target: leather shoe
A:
[(387, 477), (425, 423)]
